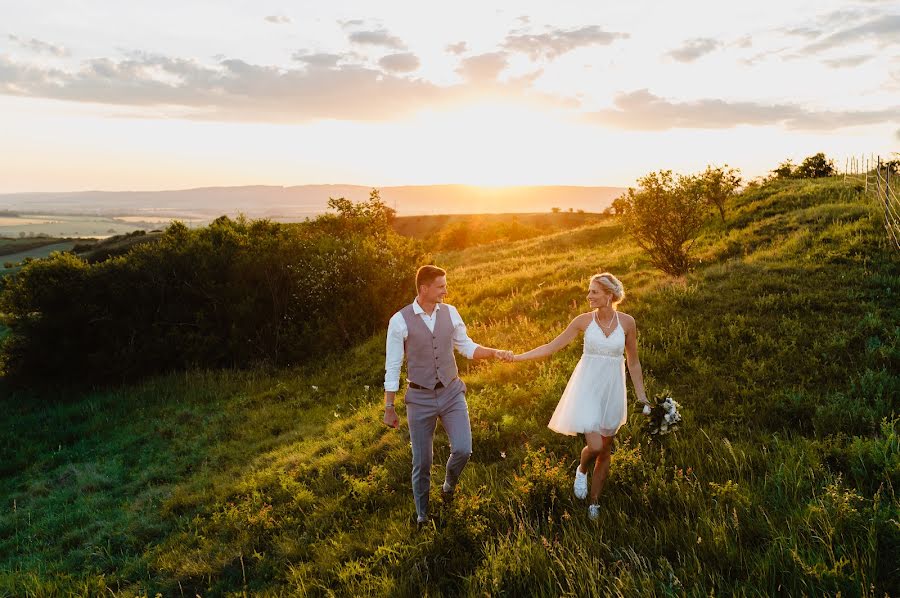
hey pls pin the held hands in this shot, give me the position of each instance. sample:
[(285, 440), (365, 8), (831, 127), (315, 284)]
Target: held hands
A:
[(506, 356)]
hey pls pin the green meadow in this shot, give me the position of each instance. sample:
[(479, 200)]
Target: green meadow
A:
[(782, 346)]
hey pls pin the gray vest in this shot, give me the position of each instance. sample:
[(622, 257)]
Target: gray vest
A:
[(429, 356)]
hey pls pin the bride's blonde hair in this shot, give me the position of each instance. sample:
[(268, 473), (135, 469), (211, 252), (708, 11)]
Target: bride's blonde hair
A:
[(611, 284)]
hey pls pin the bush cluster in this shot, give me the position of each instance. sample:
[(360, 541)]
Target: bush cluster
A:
[(666, 213), (232, 294), (464, 234), (812, 167)]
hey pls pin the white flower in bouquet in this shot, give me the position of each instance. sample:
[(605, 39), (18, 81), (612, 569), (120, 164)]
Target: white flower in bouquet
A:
[(663, 416)]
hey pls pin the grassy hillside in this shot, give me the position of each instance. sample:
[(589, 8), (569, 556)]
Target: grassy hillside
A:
[(10, 246), (430, 226), (782, 346), (97, 251), (15, 250)]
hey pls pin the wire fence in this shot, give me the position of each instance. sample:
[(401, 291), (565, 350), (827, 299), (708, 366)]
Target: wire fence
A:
[(879, 180)]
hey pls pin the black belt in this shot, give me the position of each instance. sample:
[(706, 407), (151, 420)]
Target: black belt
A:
[(420, 387)]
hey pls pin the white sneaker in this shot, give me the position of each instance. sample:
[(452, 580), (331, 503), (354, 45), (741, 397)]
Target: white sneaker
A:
[(580, 483), (594, 512)]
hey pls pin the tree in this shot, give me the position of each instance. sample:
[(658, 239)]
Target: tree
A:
[(720, 183), (814, 167), (371, 216), (619, 205), (664, 216), (785, 170), (555, 210), (457, 235)]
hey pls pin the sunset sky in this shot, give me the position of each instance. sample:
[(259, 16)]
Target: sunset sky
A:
[(169, 95)]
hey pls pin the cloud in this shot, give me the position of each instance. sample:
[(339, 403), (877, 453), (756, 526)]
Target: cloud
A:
[(641, 110), (693, 49), (322, 86), (883, 30), (40, 47), (320, 60), (278, 19), (378, 37), (807, 32), (457, 48), (403, 62), (230, 90), (483, 67), (558, 41), (849, 61)]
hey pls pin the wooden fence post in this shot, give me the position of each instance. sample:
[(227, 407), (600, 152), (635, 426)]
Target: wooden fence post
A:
[(887, 220)]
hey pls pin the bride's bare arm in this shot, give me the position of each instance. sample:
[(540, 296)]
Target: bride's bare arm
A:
[(568, 335), (631, 357)]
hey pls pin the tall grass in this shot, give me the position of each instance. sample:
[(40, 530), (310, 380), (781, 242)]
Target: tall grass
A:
[(783, 347)]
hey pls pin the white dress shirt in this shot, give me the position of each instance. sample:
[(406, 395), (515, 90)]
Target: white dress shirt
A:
[(397, 333)]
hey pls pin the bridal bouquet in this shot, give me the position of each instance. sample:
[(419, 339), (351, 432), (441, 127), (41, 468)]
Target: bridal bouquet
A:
[(663, 415)]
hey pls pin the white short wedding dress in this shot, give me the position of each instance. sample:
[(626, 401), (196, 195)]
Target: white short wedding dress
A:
[(594, 399)]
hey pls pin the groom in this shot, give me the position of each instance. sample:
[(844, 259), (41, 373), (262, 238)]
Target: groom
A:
[(427, 331)]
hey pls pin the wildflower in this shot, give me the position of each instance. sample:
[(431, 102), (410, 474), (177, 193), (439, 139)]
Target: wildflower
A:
[(315, 388)]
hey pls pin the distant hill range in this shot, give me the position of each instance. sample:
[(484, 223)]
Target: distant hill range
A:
[(303, 201)]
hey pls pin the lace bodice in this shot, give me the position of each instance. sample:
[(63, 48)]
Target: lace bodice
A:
[(597, 344)]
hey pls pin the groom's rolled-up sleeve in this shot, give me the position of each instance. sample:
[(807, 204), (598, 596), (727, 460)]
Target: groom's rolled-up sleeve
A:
[(461, 341), (396, 335)]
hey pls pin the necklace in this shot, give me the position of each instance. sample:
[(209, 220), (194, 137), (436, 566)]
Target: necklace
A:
[(597, 317)]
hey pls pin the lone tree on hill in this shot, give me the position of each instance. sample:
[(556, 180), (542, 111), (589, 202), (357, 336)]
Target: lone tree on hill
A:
[(720, 183), (664, 216), (814, 167)]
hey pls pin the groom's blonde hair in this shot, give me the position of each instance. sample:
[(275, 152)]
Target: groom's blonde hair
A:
[(611, 284)]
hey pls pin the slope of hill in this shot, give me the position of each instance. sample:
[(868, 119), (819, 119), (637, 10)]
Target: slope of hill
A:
[(11, 246), (430, 226), (38, 249), (783, 347)]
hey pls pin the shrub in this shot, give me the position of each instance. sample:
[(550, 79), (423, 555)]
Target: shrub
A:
[(785, 170), (456, 235), (541, 481), (232, 294), (812, 167), (720, 184), (815, 166), (664, 216)]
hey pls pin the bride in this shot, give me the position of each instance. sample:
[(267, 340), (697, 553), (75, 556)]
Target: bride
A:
[(593, 403)]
